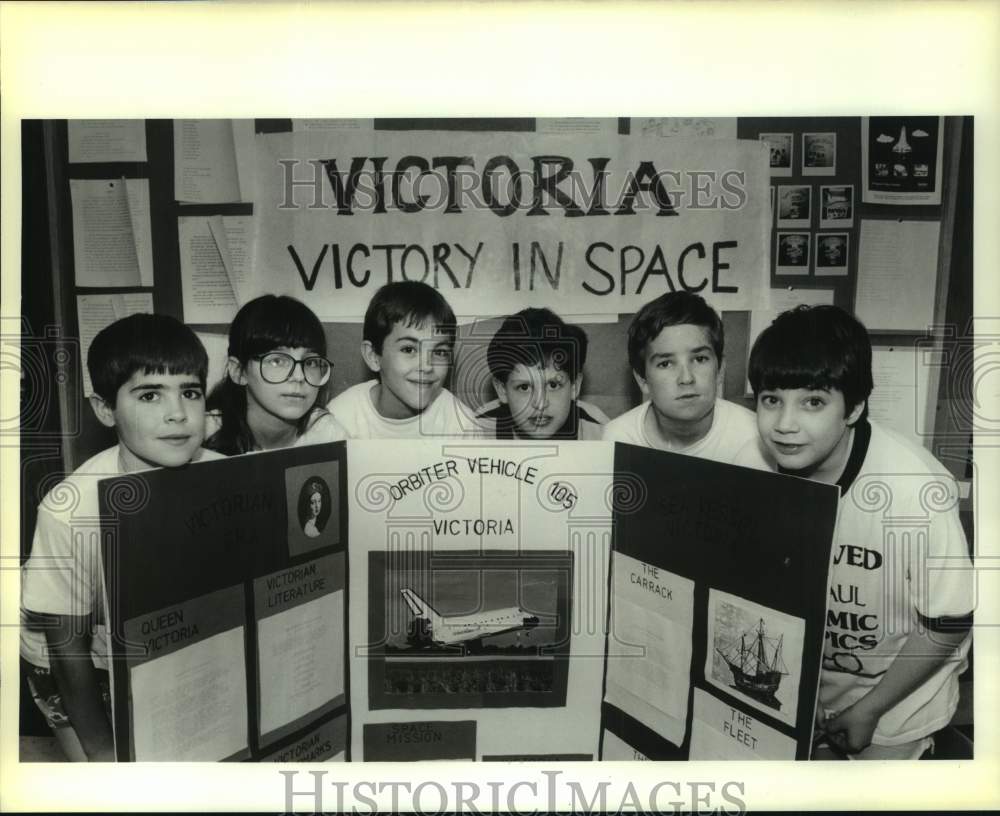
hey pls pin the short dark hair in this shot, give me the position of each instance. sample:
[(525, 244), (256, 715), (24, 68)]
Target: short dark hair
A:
[(671, 309), (152, 343), (819, 347), (536, 337), (408, 302)]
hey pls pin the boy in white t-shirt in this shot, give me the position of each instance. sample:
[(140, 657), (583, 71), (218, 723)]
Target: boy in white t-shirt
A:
[(148, 373), (408, 340), (899, 605), (675, 348)]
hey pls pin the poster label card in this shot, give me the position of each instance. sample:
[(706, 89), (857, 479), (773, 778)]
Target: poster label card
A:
[(901, 159), (413, 741), (722, 731), (819, 154), (312, 493), (792, 253), (836, 205), (755, 653), (794, 205), (615, 749), (187, 679), (699, 127), (650, 645), (781, 152), (300, 644), (325, 743)]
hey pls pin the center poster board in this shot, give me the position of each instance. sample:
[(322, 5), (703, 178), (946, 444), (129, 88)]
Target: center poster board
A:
[(718, 596), (450, 600)]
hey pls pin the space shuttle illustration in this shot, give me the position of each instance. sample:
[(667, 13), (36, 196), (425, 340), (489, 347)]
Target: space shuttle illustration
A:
[(430, 628)]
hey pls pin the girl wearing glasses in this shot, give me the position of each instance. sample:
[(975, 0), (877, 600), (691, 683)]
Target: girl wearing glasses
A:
[(277, 368)]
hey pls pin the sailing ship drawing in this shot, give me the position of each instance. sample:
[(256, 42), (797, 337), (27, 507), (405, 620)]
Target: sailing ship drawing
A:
[(756, 664)]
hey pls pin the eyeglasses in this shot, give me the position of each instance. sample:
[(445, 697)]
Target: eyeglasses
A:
[(276, 367)]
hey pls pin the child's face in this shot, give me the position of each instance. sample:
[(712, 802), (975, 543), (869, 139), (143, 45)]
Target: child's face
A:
[(289, 400), (539, 399), (412, 368), (805, 430), (683, 374), (159, 418)]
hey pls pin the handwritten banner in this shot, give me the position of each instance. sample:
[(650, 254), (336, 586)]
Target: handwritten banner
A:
[(498, 222)]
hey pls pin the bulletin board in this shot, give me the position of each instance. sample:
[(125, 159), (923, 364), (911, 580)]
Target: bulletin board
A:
[(608, 381)]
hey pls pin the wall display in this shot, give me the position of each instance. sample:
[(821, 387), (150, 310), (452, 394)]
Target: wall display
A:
[(794, 205), (836, 205), (819, 154), (897, 268), (901, 159), (112, 240), (512, 220), (735, 601), (793, 253), (187, 640), (832, 252), (782, 150), (94, 141)]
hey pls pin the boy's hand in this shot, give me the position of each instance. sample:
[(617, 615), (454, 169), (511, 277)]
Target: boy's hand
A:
[(851, 730)]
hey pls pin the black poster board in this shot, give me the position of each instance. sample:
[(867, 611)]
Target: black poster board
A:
[(706, 544), (231, 641)]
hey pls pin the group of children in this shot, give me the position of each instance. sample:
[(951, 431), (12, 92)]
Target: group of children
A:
[(881, 695)]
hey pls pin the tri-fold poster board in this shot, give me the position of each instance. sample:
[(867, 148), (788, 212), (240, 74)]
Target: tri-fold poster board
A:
[(473, 601)]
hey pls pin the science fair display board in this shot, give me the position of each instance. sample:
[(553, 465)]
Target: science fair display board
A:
[(227, 588), (462, 600), (716, 629)]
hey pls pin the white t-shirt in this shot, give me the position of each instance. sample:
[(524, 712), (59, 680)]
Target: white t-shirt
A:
[(445, 417), (63, 575), (899, 558), (732, 439)]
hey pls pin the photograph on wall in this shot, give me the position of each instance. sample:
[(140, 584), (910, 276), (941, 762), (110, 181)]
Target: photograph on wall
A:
[(832, 253), (792, 253), (901, 159), (794, 205), (468, 629), (312, 493), (836, 205), (781, 147), (754, 654), (819, 154)]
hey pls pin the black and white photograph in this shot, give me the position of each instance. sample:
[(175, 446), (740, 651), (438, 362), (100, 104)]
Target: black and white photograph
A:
[(782, 149), (313, 507), (468, 630), (819, 154), (754, 654), (793, 253), (794, 205), (279, 291), (832, 253), (836, 205)]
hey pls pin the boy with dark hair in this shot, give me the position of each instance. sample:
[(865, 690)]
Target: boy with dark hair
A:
[(675, 348), (148, 373), (900, 596), (536, 362), (408, 341)]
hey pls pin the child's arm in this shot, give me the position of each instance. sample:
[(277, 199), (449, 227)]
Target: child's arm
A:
[(922, 653), (77, 681)]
